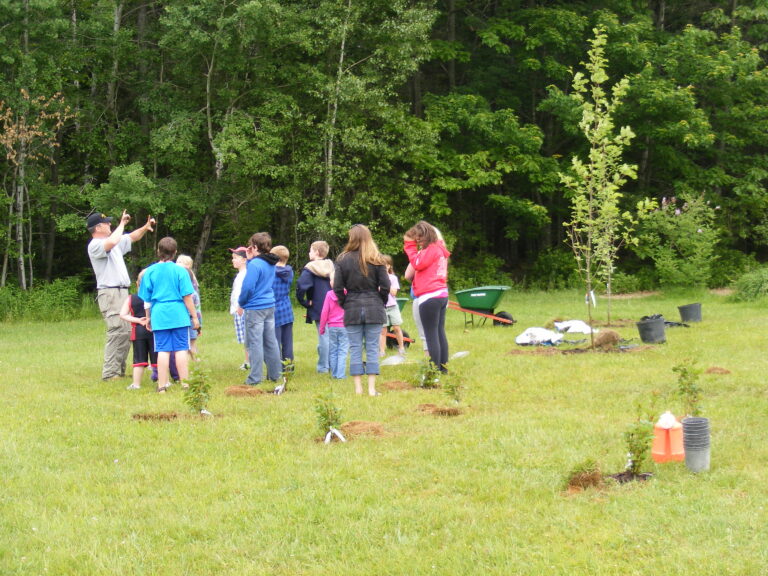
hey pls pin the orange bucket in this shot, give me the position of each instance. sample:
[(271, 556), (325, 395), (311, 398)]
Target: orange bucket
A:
[(668, 440)]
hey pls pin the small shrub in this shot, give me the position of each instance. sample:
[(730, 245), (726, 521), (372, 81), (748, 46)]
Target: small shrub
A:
[(730, 265), (453, 386), (680, 238), (752, 285), (428, 375), (198, 394), (328, 415), (688, 386), (555, 269), (622, 283), (638, 437)]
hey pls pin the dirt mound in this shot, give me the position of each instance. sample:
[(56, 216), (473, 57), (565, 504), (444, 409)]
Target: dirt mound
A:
[(362, 428), (397, 385), (607, 339), (439, 410), (717, 370), (243, 390)]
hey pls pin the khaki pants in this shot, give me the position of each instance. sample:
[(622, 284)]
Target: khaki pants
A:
[(118, 342)]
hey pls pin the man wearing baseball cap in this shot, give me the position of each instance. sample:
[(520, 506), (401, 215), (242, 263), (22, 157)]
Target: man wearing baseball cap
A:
[(106, 250)]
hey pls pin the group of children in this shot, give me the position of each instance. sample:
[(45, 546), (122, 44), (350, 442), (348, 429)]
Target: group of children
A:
[(313, 291)]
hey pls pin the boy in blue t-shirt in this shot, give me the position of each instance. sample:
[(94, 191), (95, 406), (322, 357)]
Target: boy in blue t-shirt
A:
[(167, 291)]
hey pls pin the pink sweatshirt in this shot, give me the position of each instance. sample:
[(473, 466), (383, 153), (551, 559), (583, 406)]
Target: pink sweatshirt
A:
[(431, 265), (332, 314)]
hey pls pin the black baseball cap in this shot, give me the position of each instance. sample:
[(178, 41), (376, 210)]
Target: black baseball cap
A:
[(97, 218)]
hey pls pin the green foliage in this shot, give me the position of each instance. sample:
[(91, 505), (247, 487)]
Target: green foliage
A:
[(54, 302), (327, 413), (729, 265), (427, 376), (752, 285), (626, 283), (638, 437), (679, 236), (482, 270), (688, 389), (198, 394), (453, 386), (554, 269)]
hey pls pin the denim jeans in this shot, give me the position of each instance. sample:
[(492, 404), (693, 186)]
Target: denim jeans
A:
[(338, 348), (323, 362), (363, 335), (262, 345)]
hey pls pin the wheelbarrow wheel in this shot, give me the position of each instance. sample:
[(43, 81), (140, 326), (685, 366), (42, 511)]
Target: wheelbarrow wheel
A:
[(392, 341), (505, 316)]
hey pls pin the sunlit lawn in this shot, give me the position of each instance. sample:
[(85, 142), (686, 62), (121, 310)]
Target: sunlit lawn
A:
[(86, 489)]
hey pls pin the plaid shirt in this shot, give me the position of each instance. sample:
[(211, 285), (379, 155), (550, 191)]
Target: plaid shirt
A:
[(282, 290)]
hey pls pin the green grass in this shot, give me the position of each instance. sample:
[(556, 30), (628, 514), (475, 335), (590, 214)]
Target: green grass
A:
[(88, 490)]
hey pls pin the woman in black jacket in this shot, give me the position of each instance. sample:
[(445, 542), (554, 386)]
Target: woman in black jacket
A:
[(361, 284)]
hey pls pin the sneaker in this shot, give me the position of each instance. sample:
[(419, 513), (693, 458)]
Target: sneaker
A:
[(401, 351), (245, 366), (133, 387)]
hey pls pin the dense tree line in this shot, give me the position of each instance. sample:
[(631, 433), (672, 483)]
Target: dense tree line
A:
[(224, 117)]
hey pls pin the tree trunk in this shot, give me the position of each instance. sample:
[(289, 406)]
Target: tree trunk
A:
[(202, 242), (19, 236), (112, 84), (333, 109)]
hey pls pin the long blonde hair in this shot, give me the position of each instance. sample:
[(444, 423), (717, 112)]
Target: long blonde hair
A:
[(361, 241)]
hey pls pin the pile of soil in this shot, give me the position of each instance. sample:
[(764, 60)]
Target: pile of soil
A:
[(398, 385), (717, 370), (439, 410), (243, 390)]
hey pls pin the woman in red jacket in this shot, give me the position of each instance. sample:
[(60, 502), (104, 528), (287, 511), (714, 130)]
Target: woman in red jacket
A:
[(429, 258)]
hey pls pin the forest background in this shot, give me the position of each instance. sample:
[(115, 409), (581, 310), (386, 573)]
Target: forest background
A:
[(225, 117)]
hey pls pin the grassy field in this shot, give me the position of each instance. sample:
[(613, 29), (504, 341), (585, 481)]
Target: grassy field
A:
[(88, 490)]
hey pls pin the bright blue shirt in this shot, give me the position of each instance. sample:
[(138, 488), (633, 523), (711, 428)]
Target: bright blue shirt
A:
[(164, 286), (257, 293)]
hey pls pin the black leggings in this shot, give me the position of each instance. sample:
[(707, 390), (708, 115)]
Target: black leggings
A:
[(432, 312)]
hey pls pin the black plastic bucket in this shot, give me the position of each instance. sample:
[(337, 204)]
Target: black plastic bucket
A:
[(652, 330), (690, 313)]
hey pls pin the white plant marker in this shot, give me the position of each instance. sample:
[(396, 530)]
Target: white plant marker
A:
[(331, 433)]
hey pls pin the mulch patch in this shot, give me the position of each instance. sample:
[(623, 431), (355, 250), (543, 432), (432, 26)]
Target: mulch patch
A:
[(243, 390), (167, 416), (551, 351), (627, 476), (717, 370), (161, 416), (398, 385), (439, 410)]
